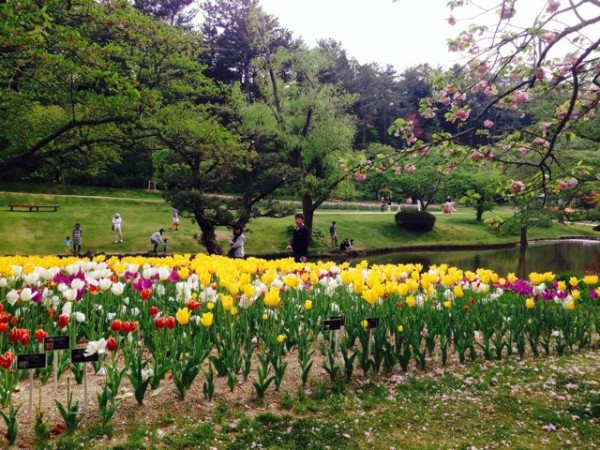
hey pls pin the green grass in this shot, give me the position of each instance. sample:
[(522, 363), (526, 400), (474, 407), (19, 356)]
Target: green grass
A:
[(503, 404), (144, 212)]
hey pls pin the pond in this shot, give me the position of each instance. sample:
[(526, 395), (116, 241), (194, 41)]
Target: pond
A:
[(558, 257)]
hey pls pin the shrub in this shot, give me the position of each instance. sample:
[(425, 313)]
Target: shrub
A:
[(415, 220)]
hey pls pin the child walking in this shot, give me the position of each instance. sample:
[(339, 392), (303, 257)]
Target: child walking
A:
[(67, 245)]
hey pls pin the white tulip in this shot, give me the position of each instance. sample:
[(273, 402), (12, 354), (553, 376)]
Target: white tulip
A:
[(67, 308), (117, 288), (26, 294), (12, 297), (94, 347), (79, 317)]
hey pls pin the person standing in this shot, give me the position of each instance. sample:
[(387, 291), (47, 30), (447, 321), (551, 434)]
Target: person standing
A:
[(77, 238), (174, 220), (156, 238), (333, 234), (67, 245), (116, 227), (300, 239), (236, 249)]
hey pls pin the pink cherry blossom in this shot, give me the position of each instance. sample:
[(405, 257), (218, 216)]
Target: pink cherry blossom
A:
[(459, 115), (488, 124), (410, 168), (541, 142), (359, 176), (524, 150), (507, 13), (553, 6), (517, 186), (569, 184), (520, 97), (451, 20), (476, 156)]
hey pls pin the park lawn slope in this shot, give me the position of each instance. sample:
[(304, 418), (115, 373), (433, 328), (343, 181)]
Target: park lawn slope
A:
[(43, 232)]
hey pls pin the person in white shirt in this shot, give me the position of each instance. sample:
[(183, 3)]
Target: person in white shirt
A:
[(116, 227), (236, 249), (156, 238)]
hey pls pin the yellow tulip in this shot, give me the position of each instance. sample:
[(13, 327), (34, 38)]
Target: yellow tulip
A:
[(458, 291), (281, 338), (227, 302), (561, 285), (210, 306), (447, 304), (576, 294), (233, 311), (400, 328), (183, 316), (411, 301), (511, 278), (265, 316), (291, 281), (206, 319), (573, 281), (530, 303), (272, 298), (364, 324), (590, 279), (570, 305), (308, 304), (183, 273)]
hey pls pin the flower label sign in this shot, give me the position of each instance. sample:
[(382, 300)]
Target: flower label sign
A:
[(332, 325), (31, 361), (340, 318), (52, 343), (372, 322), (78, 356)]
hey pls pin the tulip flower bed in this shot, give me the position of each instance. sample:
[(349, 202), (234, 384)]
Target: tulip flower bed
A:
[(187, 320)]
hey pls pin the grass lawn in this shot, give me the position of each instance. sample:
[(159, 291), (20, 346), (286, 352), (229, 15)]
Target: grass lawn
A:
[(550, 403), (145, 212)]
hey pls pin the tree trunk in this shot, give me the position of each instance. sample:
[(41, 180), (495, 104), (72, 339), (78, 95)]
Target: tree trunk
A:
[(308, 209), (522, 267), (208, 238), (523, 243), (479, 211)]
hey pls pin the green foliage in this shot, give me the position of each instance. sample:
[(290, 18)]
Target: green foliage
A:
[(415, 220)]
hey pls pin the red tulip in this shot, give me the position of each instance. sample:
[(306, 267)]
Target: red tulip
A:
[(40, 335), (116, 325), (153, 310), (13, 336), (146, 293), (170, 322), (63, 320), (193, 305), (159, 323), (6, 360), (24, 336), (3, 327), (111, 344)]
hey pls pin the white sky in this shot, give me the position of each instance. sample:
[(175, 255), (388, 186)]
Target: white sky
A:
[(403, 33)]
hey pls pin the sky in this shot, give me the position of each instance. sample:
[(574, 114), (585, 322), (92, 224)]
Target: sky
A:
[(403, 34)]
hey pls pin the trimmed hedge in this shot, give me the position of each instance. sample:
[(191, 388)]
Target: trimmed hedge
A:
[(415, 220)]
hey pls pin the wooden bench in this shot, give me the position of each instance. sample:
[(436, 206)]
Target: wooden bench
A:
[(31, 207)]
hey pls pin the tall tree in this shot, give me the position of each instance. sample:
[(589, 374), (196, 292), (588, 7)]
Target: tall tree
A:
[(174, 12)]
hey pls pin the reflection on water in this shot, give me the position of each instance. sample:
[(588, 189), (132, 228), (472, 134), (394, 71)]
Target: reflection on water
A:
[(557, 257)]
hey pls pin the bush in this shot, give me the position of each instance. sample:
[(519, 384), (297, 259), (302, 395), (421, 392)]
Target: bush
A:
[(415, 220)]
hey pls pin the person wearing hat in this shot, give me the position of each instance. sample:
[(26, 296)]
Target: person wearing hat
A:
[(156, 238), (116, 227)]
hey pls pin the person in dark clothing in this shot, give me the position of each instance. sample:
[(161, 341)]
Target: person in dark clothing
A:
[(300, 239)]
